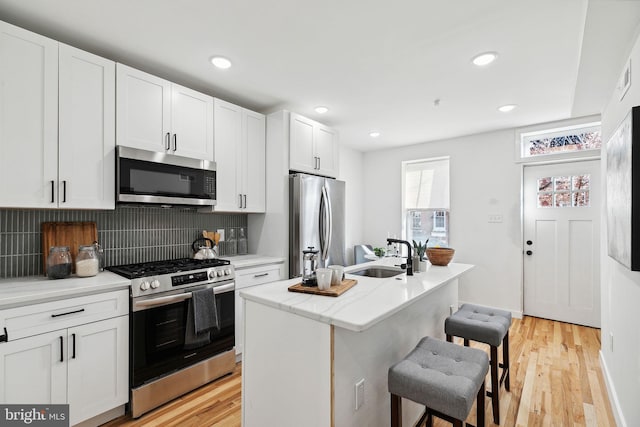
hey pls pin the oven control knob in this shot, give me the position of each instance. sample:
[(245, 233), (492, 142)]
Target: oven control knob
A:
[(144, 286), (227, 271), (220, 273), (212, 274), (155, 284)]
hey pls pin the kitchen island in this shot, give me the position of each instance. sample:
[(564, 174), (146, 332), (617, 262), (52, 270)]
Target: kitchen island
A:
[(306, 355)]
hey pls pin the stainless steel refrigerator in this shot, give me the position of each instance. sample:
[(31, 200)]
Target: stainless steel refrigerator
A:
[(316, 219)]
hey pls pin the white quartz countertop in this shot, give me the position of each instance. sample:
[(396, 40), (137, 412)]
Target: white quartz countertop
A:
[(36, 289), (362, 306), (248, 261)]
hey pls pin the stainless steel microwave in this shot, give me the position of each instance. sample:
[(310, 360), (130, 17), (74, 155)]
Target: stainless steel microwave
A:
[(165, 179)]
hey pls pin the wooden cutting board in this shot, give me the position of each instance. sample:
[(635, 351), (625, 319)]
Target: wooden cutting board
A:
[(333, 291), (72, 234)]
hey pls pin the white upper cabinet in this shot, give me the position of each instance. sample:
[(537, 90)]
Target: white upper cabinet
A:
[(28, 118), (57, 119), (313, 147), (157, 115), (240, 158), (86, 177)]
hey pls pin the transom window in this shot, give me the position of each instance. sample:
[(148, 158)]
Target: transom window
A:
[(564, 191), (570, 139)]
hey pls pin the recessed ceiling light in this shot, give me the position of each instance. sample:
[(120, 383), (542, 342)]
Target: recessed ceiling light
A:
[(374, 134), (221, 62), (507, 108), (321, 110), (484, 58)]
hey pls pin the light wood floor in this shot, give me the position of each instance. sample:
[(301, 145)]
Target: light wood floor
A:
[(556, 380)]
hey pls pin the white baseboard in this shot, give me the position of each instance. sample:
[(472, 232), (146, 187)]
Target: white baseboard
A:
[(514, 313), (611, 391)]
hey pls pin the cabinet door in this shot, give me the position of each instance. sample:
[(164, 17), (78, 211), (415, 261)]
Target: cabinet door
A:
[(326, 149), (34, 369), (143, 110), (98, 367), (227, 141), (301, 154), (239, 325), (28, 118), (86, 130), (253, 159), (191, 123)]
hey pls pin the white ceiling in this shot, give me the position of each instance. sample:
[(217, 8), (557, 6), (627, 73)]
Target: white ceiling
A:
[(377, 65)]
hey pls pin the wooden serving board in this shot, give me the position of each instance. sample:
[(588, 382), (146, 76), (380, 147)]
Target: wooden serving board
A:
[(333, 291), (72, 234)]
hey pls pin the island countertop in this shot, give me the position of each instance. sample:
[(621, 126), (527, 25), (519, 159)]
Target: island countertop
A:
[(364, 305)]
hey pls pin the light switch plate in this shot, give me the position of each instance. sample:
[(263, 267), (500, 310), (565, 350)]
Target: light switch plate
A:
[(495, 218)]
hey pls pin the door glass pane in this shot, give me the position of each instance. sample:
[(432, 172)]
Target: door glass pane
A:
[(562, 200), (581, 198), (581, 182), (562, 183), (544, 184), (545, 200)]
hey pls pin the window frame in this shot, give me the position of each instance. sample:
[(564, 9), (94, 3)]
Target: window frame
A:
[(554, 127)]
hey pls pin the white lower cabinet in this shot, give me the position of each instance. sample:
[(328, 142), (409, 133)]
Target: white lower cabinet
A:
[(246, 278), (84, 364)]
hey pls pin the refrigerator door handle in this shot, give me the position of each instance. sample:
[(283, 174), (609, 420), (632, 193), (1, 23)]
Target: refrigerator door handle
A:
[(330, 222), (325, 224)]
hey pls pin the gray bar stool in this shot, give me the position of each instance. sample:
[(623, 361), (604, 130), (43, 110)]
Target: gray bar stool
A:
[(443, 377), (489, 326)]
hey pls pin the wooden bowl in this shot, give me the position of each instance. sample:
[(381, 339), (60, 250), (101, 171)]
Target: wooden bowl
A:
[(440, 256)]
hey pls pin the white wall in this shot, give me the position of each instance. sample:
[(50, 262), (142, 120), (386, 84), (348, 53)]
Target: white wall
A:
[(620, 286), (351, 171), (485, 180)]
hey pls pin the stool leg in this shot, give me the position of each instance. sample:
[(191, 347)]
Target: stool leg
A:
[(429, 422), (505, 360), (495, 384), (449, 338), (480, 407), (396, 411), (456, 423)]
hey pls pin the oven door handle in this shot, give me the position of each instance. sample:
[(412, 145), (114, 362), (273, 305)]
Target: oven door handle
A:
[(178, 298)]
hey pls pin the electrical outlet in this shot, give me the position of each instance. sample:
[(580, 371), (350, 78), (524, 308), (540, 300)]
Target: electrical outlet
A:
[(359, 394), (221, 233), (611, 341), (495, 218)]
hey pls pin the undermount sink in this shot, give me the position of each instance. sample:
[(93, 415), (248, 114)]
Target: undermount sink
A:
[(379, 272)]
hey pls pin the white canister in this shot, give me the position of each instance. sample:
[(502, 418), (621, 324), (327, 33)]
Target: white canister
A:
[(87, 262)]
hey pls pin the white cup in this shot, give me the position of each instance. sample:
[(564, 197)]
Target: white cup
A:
[(337, 275), (323, 275)]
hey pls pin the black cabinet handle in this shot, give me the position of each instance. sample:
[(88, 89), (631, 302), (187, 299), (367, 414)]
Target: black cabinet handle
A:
[(64, 191), (175, 142), (529, 253), (319, 164), (67, 313), (61, 349), (73, 338), (260, 275), (240, 201), (244, 196), (167, 138), (5, 337), (52, 192), (529, 242)]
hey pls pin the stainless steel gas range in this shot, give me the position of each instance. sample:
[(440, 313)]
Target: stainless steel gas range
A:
[(163, 366)]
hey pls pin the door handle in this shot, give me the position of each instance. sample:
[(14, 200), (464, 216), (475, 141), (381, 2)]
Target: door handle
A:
[(64, 191), (529, 253), (61, 349), (240, 201), (52, 192), (168, 141), (319, 164), (244, 196), (73, 351), (175, 142)]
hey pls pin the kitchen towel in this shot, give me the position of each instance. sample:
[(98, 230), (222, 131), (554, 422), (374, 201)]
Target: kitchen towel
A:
[(202, 317)]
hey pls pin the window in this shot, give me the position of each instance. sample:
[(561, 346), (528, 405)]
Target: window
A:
[(426, 201), (564, 191), (571, 138)]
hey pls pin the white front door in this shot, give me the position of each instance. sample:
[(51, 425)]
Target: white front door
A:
[(562, 241)]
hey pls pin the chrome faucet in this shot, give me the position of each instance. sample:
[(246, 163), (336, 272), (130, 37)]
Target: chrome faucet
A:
[(409, 262)]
